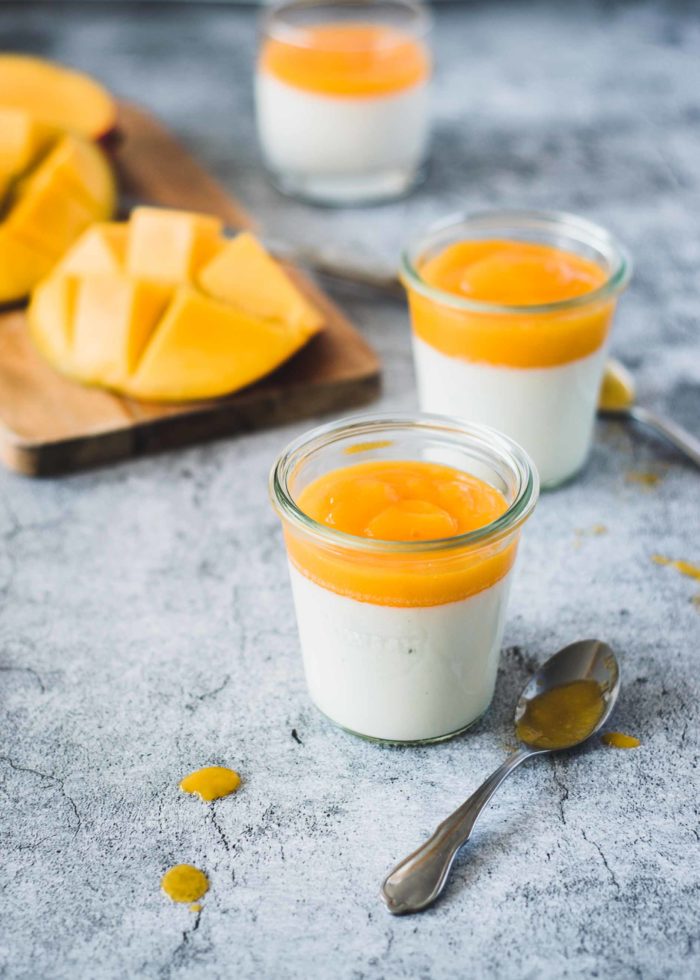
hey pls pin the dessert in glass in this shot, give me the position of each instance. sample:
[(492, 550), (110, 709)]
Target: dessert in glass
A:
[(342, 98), (401, 535), (510, 313)]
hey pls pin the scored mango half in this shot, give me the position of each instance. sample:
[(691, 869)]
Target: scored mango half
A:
[(53, 185), (165, 308)]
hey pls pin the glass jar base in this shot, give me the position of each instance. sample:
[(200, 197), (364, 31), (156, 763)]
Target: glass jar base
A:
[(348, 190), (433, 740)]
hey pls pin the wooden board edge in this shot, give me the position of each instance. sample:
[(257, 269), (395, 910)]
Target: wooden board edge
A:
[(277, 407)]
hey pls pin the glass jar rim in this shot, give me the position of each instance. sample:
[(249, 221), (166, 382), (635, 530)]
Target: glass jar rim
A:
[(513, 517), (589, 232), (274, 27)]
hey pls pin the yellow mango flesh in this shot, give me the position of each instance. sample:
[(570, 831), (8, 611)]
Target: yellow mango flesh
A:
[(114, 317), (99, 251), (56, 95), (151, 336), (170, 245), (45, 207), (204, 348), (244, 275), (51, 318), (22, 140)]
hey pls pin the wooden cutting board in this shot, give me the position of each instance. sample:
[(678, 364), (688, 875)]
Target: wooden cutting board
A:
[(50, 425)]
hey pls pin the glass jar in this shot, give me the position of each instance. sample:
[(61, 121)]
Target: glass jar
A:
[(530, 371), (342, 98), (401, 639)]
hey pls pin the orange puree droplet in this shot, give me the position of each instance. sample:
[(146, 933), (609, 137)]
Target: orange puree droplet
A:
[(400, 500), (618, 740), (211, 783), (512, 274), (347, 59), (684, 567), (184, 883)]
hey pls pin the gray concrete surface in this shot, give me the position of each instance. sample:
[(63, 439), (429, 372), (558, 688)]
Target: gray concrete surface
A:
[(147, 628)]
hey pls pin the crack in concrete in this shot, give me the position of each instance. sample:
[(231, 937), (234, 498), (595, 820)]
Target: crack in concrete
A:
[(178, 955), (599, 849), (563, 790), (54, 779), (28, 670), (217, 827), (192, 706)]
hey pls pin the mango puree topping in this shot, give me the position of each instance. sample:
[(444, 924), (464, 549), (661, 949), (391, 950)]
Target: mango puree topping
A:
[(562, 716), (511, 273), (347, 60), (401, 500)]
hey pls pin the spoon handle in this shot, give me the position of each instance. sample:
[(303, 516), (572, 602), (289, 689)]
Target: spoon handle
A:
[(676, 434), (416, 882)]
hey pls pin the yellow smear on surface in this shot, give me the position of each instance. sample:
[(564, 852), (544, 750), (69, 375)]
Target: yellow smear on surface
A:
[(618, 740), (594, 531), (562, 716), (184, 883), (642, 478), (211, 783), (195, 907), (684, 567), (366, 447)]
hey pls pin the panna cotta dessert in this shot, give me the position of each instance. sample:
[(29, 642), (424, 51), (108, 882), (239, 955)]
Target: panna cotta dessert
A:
[(342, 98), (401, 536), (511, 313)]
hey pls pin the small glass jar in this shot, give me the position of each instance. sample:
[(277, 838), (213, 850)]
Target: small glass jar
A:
[(530, 371), (342, 98), (401, 639)]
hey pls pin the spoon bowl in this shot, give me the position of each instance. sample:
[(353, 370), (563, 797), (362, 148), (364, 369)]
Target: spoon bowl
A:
[(584, 661), (567, 701), (618, 400)]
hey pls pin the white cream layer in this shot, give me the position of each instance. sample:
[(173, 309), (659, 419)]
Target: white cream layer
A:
[(548, 411), (308, 135), (400, 674)]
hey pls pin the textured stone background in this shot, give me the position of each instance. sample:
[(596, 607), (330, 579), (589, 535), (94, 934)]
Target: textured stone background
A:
[(147, 627)]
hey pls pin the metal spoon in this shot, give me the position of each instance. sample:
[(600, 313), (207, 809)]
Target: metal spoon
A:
[(617, 400), (416, 882)]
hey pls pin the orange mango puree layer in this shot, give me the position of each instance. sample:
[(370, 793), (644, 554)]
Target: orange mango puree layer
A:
[(347, 60), (401, 501), (511, 273)]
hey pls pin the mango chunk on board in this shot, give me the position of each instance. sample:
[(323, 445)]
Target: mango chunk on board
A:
[(56, 95), (99, 251), (51, 319), (170, 245), (155, 335), (203, 347), (114, 317), (54, 188), (244, 275)]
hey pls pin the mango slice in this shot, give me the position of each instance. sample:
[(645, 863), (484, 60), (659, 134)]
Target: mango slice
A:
[(204, 348), (56, 95), (170, 245), (122, 310), (114, 317), (99, 251), (22, 140), (244, 275), (51, 318), (80, 170), (62, 184)]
